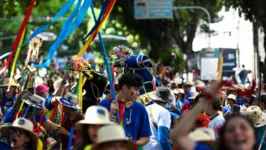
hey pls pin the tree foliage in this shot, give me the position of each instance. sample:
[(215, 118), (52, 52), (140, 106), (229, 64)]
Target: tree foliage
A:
[(161, 35)]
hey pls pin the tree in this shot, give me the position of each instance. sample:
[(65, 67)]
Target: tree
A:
[(161, 35), (253, 10)]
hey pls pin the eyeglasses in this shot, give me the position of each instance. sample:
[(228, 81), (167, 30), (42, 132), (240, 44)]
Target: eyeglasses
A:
[(17, 132)]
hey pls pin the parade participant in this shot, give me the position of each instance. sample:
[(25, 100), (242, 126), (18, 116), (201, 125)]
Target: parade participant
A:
[(95, 117), (9, 95), (160, 119), (71, 114), (187, 88), (185, 104), (216, 120), (132, 115), (231, 100), (32, 108), (21, 135), (112, 137), (258, 118)]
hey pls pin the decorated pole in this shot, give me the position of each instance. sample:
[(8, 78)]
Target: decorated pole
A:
[(106, 62)]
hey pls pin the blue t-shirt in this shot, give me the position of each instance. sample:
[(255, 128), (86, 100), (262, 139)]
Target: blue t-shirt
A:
[(4, 146), (9, 116), (201, 146), (136, 120), (7, 103)]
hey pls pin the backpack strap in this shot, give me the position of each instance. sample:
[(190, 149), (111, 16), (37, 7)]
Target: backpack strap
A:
[(152, 118)]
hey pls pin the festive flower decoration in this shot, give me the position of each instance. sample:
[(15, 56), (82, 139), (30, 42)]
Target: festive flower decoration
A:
[(119, 53), (78, 64)]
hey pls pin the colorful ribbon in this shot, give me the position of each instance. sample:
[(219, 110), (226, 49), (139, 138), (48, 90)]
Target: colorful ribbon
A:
[(76, 17), (5, 55), (16, 58), (20, 32), (70, 139), (95, 30), (80, 86)]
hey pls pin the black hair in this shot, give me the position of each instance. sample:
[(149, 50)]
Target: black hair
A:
[(20, 97), (130, 80), (83, 139), (216, 104), (222, 142)]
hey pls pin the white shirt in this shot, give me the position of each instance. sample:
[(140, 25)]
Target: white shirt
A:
[(161, 118), (216, 124)]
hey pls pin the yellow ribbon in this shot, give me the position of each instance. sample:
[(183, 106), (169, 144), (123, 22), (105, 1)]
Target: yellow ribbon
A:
[(20, 108), (80, 91), (16, 56)]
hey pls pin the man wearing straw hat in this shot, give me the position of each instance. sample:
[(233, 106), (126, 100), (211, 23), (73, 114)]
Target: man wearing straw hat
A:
[(9, 94), (131, 114), (160, 119)]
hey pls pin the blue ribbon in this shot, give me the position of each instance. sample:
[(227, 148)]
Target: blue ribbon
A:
[(106, 64), (26, 111), (70, 139), (5, 55), (67, 29), (59, 14)]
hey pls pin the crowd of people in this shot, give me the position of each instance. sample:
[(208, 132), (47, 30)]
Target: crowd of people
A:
[(47, 112)]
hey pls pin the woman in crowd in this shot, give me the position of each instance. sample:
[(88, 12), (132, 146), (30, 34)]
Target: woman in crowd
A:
[(95, 117)]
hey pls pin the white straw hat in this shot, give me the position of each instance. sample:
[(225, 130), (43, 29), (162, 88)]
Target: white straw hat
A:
[(7, 81), (202, 134), (95, 115), (232, 97), (70, 100), (24, 124), (112, 133)]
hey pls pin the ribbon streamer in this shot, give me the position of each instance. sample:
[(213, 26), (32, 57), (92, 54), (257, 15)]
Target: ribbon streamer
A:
[(16, 59), (86, 45), (67, 29), (5, 55), (80, 85), (20, 32), (70, 139)]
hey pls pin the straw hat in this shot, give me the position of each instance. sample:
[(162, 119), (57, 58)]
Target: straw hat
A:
[(256, 115), (181, 91), (69, 100), (202, 134), (231, 97), (112, 133), (95, 115), (163, 94), (24, 124), (36, 101), (57, 84), (194, 95), (175, 91), (7, 81)]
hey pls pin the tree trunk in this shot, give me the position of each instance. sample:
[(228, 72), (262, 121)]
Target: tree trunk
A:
[(158, 48)]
